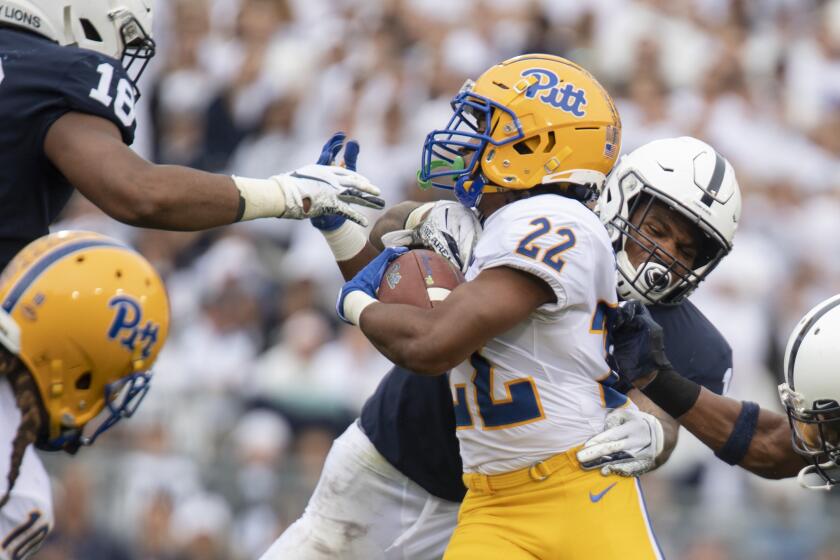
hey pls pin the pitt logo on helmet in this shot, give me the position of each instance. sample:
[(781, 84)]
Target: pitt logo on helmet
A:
[(532, 120), (568, 98), (85, 288), (127, 319)]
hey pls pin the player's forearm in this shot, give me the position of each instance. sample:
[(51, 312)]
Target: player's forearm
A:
[(89, 152), (770, 454), (711, 418), (352, 266), (408, 336), (183, 199), (393, 219), (670, 427)]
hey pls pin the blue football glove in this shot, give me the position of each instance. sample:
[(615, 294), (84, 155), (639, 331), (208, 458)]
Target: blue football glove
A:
[(638, 342), (331, 149), (368, 279), (328, 156)]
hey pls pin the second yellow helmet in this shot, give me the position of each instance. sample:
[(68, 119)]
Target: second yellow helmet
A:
[(87, 316)]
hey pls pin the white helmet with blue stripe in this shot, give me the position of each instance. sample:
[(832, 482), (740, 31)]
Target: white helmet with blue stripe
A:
[(811, 393), (690, 178)]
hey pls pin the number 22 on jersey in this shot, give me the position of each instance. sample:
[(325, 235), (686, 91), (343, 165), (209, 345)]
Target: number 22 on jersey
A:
[(521, 404)]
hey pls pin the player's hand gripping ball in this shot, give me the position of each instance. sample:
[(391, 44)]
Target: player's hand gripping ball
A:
[(420, 278)]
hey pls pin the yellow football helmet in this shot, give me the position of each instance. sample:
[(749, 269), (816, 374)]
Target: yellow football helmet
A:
[(531, 120), (87, 316)]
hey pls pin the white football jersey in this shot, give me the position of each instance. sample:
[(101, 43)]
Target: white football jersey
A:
[(533, 391), (27, 518)]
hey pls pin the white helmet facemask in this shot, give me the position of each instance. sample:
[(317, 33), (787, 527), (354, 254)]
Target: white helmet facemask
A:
[(695, 183), (660, 276), (139, 47)]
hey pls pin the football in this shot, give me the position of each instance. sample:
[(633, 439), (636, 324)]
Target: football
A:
[(420, 278)]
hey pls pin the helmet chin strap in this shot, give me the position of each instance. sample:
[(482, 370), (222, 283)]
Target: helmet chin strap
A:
[(468, 190), (811, 478)]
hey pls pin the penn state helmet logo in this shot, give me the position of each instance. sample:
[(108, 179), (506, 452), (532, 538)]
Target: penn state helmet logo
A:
[(657, 277), (567, 98), (128, 325)]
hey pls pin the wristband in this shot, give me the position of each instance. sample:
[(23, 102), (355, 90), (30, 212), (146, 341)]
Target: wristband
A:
[(346, 241), (354, 303), (672, 392), (736, 447), (416, 216), (259, 198)]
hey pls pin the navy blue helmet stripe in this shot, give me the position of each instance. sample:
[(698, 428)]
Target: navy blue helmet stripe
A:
[(716, 180), (794, 350), (47, 261)]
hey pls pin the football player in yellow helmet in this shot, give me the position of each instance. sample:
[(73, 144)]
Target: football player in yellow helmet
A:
[(528, 145), (82, 320), (532, 120)]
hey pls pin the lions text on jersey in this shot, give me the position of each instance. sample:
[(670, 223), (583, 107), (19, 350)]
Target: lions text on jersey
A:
[(39, 82)]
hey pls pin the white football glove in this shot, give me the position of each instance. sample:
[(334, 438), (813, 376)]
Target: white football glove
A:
[(628, 446), (330, 190), (449, 228)]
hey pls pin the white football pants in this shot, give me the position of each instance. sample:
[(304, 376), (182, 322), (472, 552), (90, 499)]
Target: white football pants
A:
[(363, 508)]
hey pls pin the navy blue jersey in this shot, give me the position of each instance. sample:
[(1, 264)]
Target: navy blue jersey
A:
[(39, 82), (411, 422), (694, 346)]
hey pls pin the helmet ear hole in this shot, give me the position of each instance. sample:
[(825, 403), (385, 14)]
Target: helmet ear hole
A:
[(552, 141), (522, 148), (83, 381), (91, 34)]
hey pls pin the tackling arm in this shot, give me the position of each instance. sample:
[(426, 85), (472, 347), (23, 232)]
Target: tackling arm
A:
[(393, 219), (89, 151), (670, 427), (432, 341), (770, 453), (740, 433)]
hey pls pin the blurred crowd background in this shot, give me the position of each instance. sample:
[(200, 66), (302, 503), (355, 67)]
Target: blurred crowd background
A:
[(258, 376)]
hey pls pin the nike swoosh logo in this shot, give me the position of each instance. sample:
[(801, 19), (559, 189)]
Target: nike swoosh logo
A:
[(595, 498)]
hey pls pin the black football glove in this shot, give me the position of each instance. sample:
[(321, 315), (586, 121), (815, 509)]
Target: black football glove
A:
[(638, 342)]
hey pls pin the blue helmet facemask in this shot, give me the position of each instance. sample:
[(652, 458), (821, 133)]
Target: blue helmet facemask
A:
[(451, 155), (122, 398)]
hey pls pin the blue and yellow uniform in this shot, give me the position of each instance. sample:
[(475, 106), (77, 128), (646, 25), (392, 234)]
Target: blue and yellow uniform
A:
[(39, 82)]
